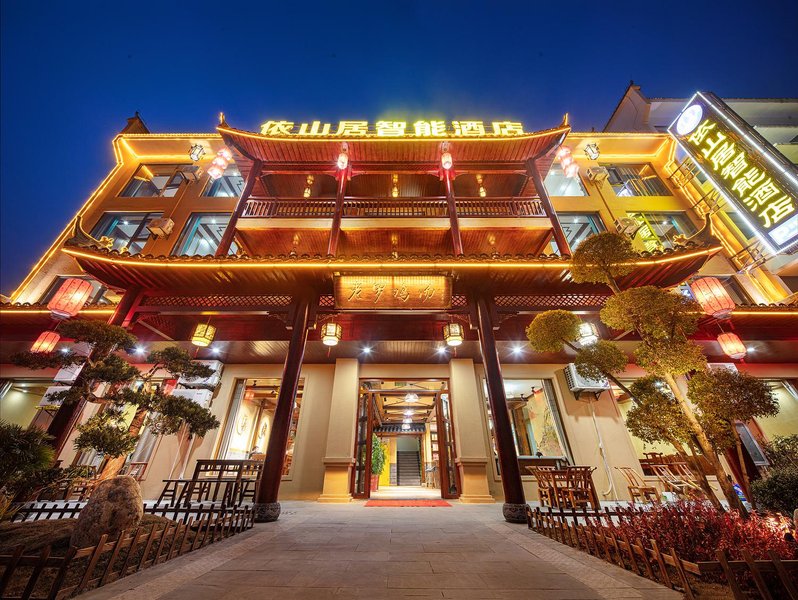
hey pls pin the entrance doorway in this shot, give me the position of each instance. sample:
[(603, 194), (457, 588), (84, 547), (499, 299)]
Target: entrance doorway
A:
[(411, 420)]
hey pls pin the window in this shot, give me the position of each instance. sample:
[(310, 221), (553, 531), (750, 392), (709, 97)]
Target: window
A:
[(578, 226), (658, 229), (534, 417), (155, 180), (98, 290), (746, 233), (202, 234), (129, 231), (636, 180), (229, 185), (20, 400), (557, 184)]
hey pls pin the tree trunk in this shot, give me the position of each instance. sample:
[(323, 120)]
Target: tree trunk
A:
[(706, 446), (114, 465), (743, 469), (694, 463)]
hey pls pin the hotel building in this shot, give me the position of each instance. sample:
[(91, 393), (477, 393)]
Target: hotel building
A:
[(374, 280)]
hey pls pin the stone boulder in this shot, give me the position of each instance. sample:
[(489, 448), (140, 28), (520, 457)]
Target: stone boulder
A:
[(114, 505)]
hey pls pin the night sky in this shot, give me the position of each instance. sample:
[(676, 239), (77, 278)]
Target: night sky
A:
[(72, 72)]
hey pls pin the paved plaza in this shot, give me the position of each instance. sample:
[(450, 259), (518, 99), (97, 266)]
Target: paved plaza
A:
[(351, 551)]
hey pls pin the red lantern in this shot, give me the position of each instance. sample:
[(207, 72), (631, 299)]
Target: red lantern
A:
[(732, 345), (70, 298), (713, 297), (45, 342)]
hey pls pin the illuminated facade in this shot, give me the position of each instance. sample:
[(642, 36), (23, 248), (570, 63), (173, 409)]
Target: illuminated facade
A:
[(375, 279)]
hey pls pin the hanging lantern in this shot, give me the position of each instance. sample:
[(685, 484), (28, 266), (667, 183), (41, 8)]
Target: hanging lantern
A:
[(592, 151), (732, 345), (45, 342), (562, 152), (411, 397), (572, 170), (713, 297), (446, 160), (196, 152), (70, 298), (331, 333), (453, 334), (588, 334), (203, 335), (395, 187), (226, 154), (405, 426), (343, 157), (249, 395)]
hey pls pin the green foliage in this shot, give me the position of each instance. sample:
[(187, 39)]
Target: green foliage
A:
[(652, 312), (675, 357), (378, 455), (732, 395), (106, 433), (140, 397), (23, 452), (778, 492), (111, 369), (178, 363), (599, 360), (782, 451), (656, 417), (45, 360), (103, 337), (602, 258), (551, 329), (176, 411)]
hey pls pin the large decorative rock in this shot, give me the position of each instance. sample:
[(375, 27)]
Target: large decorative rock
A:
[(115, 505)]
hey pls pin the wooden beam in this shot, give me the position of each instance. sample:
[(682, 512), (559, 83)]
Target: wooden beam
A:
[(451, 206), (335, 230), (230, 231), (559, 234)]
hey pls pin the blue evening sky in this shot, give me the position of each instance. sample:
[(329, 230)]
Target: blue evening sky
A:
[(72, 71)]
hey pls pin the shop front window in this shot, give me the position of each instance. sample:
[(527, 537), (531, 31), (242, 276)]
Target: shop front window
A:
[(557, 184), (202, 234), (250, 418), (152, 181), (579, 226), (658, 230), (535, 420), (129, 231), (635, 180), (229, 185)]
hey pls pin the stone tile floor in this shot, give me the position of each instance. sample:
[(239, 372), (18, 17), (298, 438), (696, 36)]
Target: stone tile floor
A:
[(350, 551)]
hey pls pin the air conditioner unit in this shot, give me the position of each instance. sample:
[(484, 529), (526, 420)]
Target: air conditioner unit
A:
[(201, 397), (206, 382), (578, 384), (47, 401), (627, 226), (597, 174), (70, 374), (161, 227), (721, 366)]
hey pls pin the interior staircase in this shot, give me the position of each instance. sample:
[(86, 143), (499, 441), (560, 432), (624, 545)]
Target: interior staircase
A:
[(408, 468)]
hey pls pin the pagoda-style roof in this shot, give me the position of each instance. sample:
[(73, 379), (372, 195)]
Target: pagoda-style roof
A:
[(511, 274)]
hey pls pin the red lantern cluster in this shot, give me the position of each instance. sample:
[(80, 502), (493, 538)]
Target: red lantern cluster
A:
[(45, 342), (219, 163), (70, 298), (713, 297), (732, 345), (569, 167)]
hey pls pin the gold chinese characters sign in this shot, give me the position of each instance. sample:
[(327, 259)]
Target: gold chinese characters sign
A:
[(374, 292), (393, 129), (752, 175)]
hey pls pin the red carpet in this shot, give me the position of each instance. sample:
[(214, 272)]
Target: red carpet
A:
[(411, 503)]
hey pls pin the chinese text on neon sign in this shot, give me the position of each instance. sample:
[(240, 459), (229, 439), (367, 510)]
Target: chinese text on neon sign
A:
[(388, 129)]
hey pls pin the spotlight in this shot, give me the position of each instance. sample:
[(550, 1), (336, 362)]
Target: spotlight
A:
[(518, 349), (366, 349), (441, 350), (139, 349), (216, 350)]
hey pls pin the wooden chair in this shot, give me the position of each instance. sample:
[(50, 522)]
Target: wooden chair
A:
[(637, 487), (547, 492), (579, 491), (675, 483)]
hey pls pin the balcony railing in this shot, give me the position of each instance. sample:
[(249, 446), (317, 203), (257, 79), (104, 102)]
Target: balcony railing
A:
[(298, 208)]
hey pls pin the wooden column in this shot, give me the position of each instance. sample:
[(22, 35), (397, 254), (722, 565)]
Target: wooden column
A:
[(230, 231), (559, 235), (514, 508), (67, 415), (335, 230), (267, 508), (451, 207)]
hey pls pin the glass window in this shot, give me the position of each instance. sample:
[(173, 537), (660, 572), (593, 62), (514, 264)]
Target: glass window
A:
[(534, 417), (20, 400), (557, 184), (746, 232), (154, 180), (98, 290), (578, 226), (202, 234), (658, 229), (250, 418), (129, 231), (636, 180), (229, 185)]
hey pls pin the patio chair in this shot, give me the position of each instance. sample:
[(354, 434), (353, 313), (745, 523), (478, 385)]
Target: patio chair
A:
[(579, 491), (675, 483), (547, 493), (638, 489)]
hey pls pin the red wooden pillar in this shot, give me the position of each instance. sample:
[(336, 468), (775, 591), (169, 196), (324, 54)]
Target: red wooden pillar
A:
[(559, 234), (451, 207), (267, 508), (67, 415), (335, 230), (230, 231), (514, 508)]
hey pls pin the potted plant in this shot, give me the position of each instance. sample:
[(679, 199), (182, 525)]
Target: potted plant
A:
[(378, 456)]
